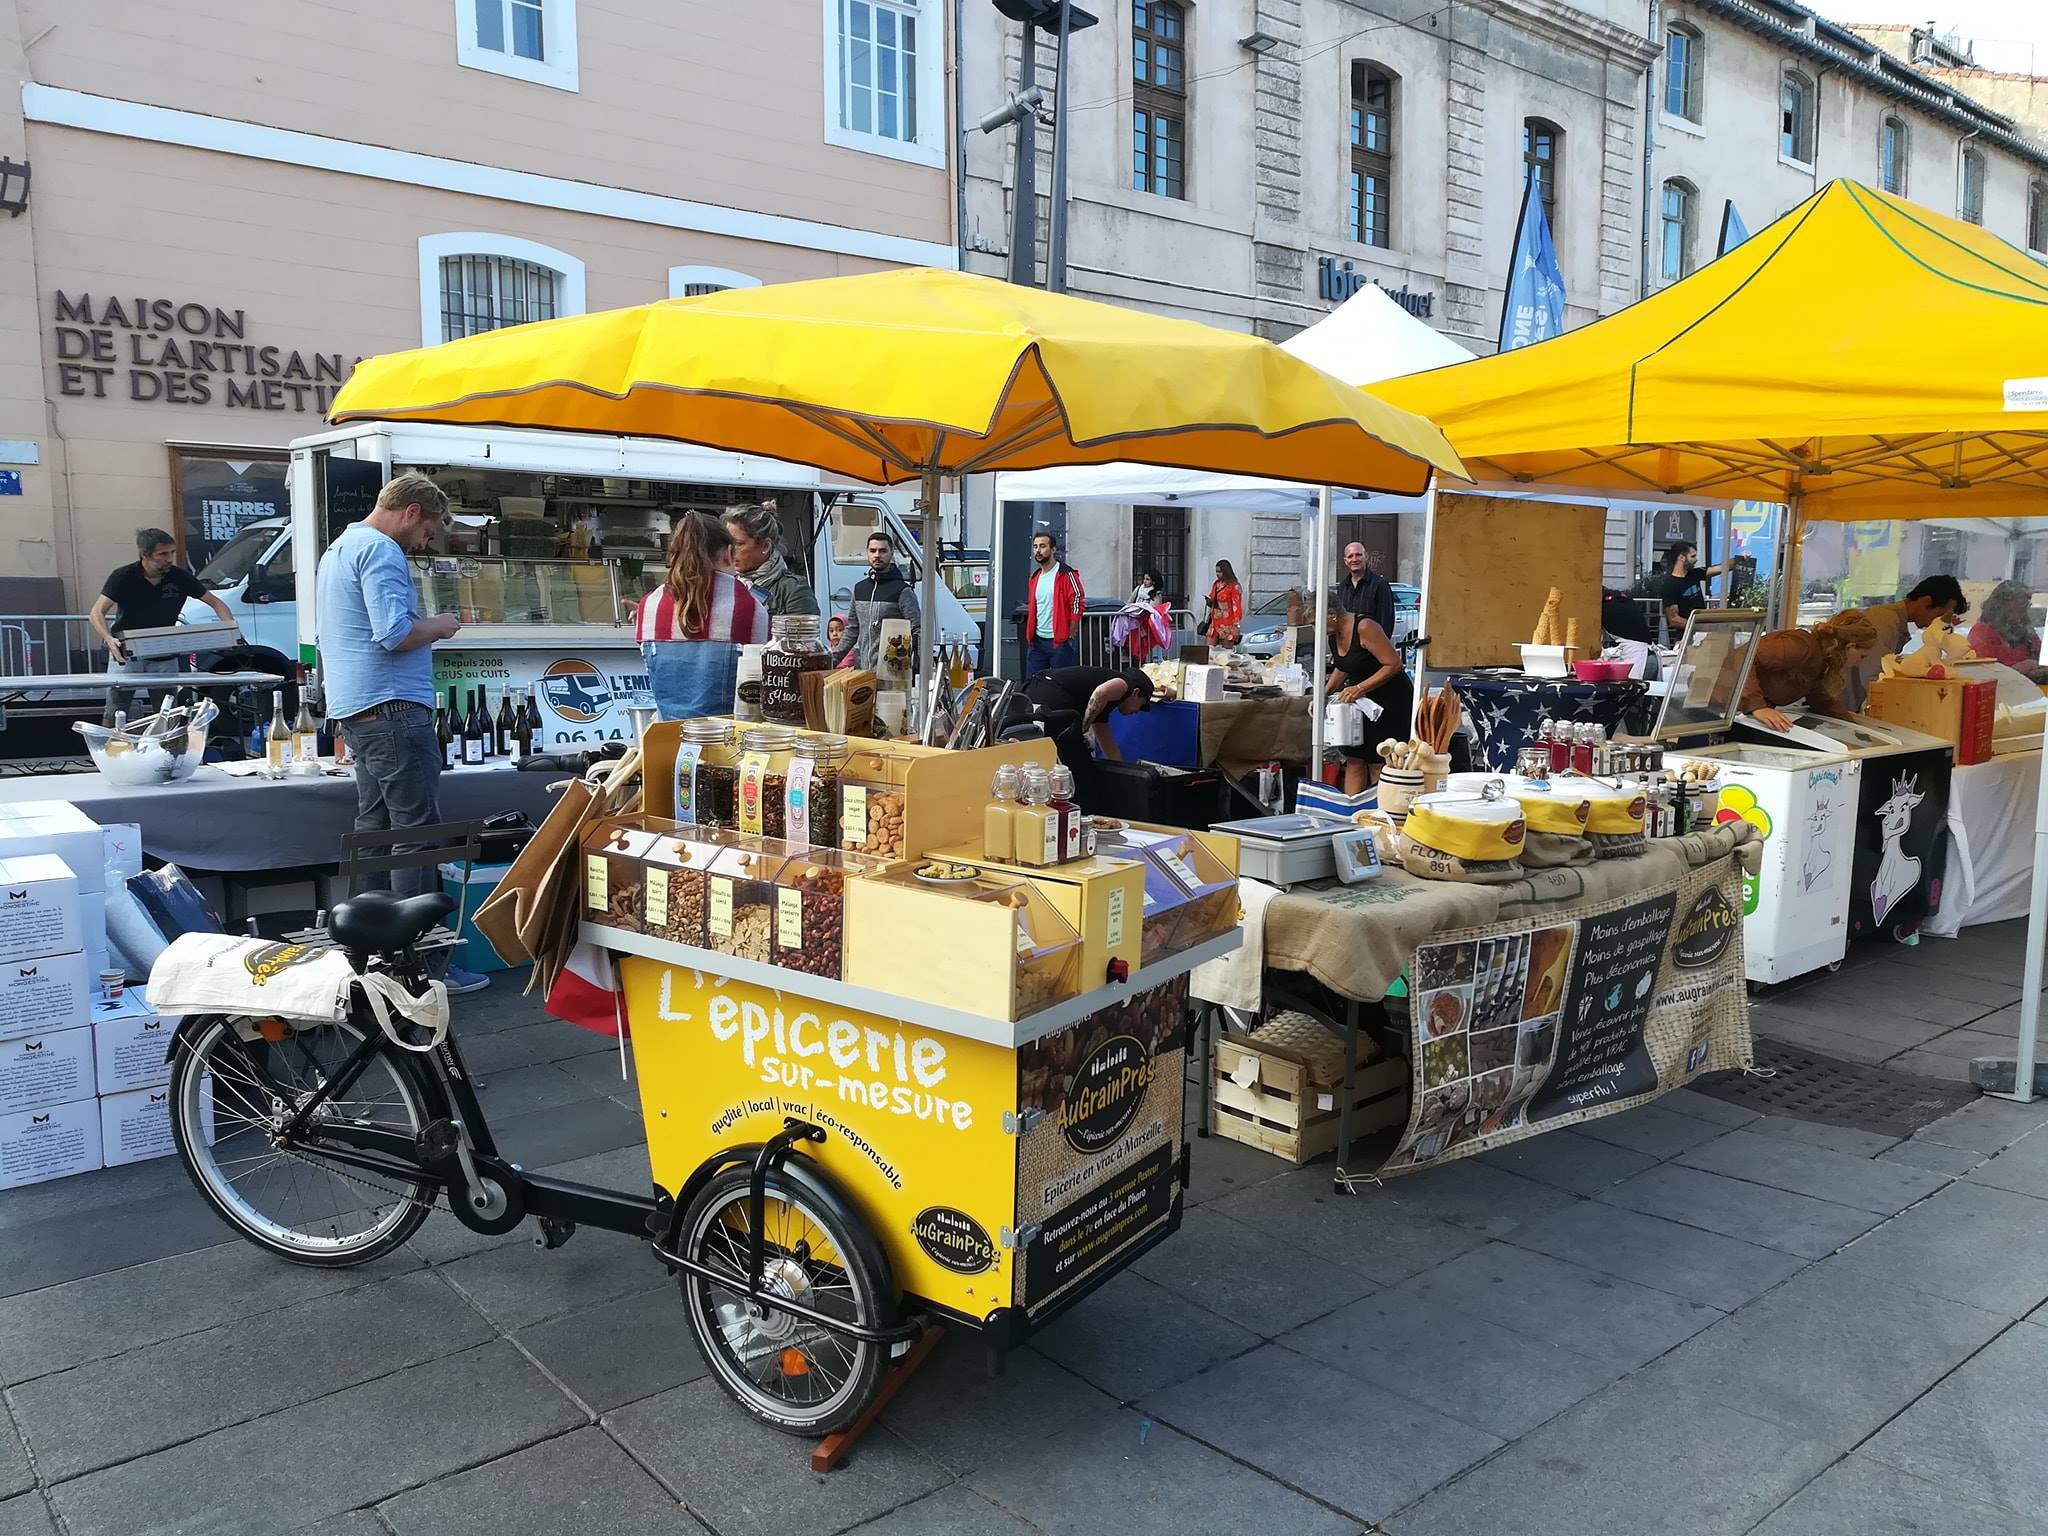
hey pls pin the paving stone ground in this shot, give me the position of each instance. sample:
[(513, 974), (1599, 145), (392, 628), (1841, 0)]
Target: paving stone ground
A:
[(1685, 1319)]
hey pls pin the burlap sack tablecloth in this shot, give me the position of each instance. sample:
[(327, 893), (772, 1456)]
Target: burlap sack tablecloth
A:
[(1239, 734), (1356, 939)]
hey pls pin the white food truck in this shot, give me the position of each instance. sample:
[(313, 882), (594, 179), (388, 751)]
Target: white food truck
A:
[(535, 617)]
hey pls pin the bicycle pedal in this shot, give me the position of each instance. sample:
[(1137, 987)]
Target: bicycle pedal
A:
[(438, 1141)]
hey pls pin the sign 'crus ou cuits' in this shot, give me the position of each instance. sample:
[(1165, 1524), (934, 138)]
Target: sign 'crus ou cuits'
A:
[(181, 353)]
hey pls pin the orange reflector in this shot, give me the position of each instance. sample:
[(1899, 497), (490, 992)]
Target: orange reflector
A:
[(272, 1030), (795, 1362)]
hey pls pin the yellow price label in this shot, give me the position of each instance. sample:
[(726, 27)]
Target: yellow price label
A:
[(1113, 917), (657, 898), (853, 816), (596, 882), (721, 906), (789, 919)]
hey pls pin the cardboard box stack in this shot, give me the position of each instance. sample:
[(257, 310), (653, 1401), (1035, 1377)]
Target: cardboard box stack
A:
[(83, 1078)]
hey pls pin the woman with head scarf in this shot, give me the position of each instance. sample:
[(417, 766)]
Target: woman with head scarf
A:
[(1792, 665), (2004, 630)]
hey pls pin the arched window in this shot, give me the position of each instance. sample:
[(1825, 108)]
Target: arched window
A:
[(1679, 230), (2037, 217), (1796, 117), (689, 282), (1682, 62), (1159, 97), (471, 283), (1372, 155), (1543, 164), (1972, 200), (1891, 155)]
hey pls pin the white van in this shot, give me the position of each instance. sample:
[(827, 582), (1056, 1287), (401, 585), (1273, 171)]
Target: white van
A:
[(560, 628)]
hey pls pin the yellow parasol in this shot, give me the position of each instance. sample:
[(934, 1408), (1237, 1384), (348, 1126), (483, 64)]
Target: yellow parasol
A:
[(902, 375), (915, 374)]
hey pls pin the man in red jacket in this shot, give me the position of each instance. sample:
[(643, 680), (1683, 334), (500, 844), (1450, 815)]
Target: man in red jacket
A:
[(1053, 604)]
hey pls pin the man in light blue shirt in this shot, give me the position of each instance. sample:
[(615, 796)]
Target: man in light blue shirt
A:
[(377, 654)]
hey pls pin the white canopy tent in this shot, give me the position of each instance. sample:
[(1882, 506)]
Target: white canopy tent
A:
[(1365, 339)]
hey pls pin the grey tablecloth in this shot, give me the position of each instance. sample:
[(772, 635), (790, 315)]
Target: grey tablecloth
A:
[(214, 821)]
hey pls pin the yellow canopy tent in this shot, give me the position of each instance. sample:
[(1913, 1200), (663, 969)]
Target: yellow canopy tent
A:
[(1861, 358)]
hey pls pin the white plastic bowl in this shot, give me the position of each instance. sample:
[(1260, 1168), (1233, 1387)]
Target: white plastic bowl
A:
[(135, 762)]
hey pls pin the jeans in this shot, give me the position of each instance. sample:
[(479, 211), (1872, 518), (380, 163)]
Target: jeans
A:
[(691, 677), (398, 765), (135, 701), (1044, 655)]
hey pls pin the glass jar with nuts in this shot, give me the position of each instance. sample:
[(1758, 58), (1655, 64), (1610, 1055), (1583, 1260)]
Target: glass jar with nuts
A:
[(613, 877), (810, 910), (871, 817), (739, 908), (675, 891)]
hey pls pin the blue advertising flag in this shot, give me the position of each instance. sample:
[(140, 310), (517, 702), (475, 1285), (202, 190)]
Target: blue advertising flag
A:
[(1534, 308), (1733, 230)]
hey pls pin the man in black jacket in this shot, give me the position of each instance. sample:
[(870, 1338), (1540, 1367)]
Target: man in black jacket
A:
[(884, 593), (1362, 592)]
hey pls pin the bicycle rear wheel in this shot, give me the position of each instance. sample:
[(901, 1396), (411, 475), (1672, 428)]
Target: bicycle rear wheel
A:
[(230, 1096)]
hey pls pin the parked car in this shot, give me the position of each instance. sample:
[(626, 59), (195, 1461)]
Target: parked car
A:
[(1264, 624)]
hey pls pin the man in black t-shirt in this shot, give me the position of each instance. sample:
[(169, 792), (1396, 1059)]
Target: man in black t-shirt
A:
[(150, 594), (1683, 590), (1362, 592)]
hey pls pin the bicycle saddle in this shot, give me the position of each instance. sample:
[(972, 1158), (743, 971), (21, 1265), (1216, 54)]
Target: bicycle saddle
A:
[(380, 921)]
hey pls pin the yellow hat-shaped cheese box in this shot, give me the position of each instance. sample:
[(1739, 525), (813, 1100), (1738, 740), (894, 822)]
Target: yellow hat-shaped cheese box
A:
[(1467, 826), (1617, 809), (1557, 806)]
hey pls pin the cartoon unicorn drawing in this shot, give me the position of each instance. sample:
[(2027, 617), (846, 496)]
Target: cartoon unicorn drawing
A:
[(1897, 873)]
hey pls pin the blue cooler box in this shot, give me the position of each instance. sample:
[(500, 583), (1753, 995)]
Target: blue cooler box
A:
[(474, 953)]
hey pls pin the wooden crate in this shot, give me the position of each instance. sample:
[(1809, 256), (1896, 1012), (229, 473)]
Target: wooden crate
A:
[(1277, 1089)]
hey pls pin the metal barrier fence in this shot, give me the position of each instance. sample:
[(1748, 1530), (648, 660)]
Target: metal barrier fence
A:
[(44, 644), (1092, 644)]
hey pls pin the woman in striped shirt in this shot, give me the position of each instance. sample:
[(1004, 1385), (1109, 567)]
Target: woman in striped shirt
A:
[(692, 626)]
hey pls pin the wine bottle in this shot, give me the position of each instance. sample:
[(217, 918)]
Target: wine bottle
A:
[(277, 741), (520, 743), (305, 730), (444, 733), (483, 720), (473, 733), (502, 732)]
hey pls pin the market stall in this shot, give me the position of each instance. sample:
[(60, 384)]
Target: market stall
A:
[(974, 937), (1476, 1011), (1860, 358)]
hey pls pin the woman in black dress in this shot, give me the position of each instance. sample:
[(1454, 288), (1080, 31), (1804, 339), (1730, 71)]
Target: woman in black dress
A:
[(1365, 665)]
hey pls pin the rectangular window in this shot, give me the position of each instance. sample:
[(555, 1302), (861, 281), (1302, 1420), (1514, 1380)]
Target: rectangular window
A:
[(1372, 156), (488, 293), (1159, 97), (878, 69), (1891, 156), (1973, 187), (1681, 73), (1540, 166), (2037, 217), (1160, 535), (532, 40), (1679, 219), (1796, 118)]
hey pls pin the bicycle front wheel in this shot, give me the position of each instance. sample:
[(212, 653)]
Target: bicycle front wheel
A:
[(229, 1099), (802, 1377)]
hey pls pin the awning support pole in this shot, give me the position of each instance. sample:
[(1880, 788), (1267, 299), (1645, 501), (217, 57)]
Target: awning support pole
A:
[(1422, 603), (1795, 536), (1320, 656), (2037, 936)]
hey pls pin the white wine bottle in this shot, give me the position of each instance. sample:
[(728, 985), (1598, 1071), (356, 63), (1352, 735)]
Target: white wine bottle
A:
[(277, 741)]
